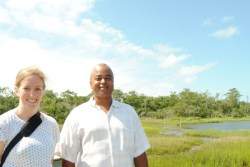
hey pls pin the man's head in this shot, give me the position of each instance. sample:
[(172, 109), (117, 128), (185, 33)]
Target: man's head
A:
[(102, 81)]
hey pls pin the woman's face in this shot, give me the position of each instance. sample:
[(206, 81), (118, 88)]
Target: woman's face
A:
[(30, 91)]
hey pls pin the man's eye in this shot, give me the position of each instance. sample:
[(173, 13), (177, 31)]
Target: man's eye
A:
[(98, 79), (108, 78)]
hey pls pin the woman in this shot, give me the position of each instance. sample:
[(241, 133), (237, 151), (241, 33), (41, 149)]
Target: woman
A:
[(37, 150)]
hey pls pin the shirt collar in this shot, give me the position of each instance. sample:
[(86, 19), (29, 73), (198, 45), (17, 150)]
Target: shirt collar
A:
[(114, 102)]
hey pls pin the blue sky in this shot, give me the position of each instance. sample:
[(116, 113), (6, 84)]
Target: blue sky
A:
[(154, 47)]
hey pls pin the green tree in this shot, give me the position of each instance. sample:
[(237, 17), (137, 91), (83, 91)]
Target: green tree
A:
[(118, 95), (232, 102), (8, 100), (49, 103)]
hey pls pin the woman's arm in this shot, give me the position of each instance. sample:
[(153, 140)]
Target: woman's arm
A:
[(1, 148)]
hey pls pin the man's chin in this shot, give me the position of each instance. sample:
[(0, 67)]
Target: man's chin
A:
[(104, 96)]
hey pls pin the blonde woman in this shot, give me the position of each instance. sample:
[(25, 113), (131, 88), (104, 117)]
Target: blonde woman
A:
[(36, 150)]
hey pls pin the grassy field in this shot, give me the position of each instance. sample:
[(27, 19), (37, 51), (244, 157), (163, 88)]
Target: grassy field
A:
[(195, 148)]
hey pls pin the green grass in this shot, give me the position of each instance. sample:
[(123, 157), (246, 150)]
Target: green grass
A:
[(196, 148)]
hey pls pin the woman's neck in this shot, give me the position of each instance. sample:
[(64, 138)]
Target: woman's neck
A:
[(25, 113)]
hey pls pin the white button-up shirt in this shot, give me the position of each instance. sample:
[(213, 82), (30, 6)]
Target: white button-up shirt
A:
[(92, 138)]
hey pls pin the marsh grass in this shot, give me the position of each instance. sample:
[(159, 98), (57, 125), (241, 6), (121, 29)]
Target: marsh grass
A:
[(216, 133), (196, 148)]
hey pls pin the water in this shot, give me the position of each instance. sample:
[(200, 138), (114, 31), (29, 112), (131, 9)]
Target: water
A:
[(240, 125), (57, 163)]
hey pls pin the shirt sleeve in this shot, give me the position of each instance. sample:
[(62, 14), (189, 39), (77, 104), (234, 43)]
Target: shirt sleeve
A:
[(69, 144), (56, 133), (2, 130), (141, 140)]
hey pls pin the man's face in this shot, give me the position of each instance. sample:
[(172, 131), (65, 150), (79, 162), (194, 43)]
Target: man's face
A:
[(101, 82)]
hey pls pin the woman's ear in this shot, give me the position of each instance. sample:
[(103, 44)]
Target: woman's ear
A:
[(16, 90)]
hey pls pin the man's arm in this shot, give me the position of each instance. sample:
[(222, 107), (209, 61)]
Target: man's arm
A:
[(66, 163), (141, 160)]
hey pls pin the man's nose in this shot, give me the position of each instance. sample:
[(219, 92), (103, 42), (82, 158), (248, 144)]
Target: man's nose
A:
[(103, 80)]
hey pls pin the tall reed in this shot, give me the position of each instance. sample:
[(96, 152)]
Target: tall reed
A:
[(196, 148)]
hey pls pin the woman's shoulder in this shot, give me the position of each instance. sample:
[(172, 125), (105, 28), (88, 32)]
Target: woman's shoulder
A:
[(48, 118), (9, 125), (7, 116)]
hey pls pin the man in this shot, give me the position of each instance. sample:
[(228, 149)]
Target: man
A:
[(103, 132)]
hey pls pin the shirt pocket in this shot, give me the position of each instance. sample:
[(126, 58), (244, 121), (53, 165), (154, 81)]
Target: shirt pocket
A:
[(126, 139)]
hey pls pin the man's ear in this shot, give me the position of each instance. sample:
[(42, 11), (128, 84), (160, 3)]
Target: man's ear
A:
[(90, 84)]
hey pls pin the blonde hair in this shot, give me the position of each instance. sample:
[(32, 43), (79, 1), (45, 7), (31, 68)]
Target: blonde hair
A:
[(31, 70)]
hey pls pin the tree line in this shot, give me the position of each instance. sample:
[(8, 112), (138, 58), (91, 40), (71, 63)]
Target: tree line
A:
[(187, 103)]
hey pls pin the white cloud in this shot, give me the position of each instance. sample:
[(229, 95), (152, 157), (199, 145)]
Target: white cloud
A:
[(171, 60), (66, 45), (17, 54), (189, 73), (214, 20), (207, 22), (225, 33), (227, 18), (3, 15), (160, 88), (45, 15), (166, 49)]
